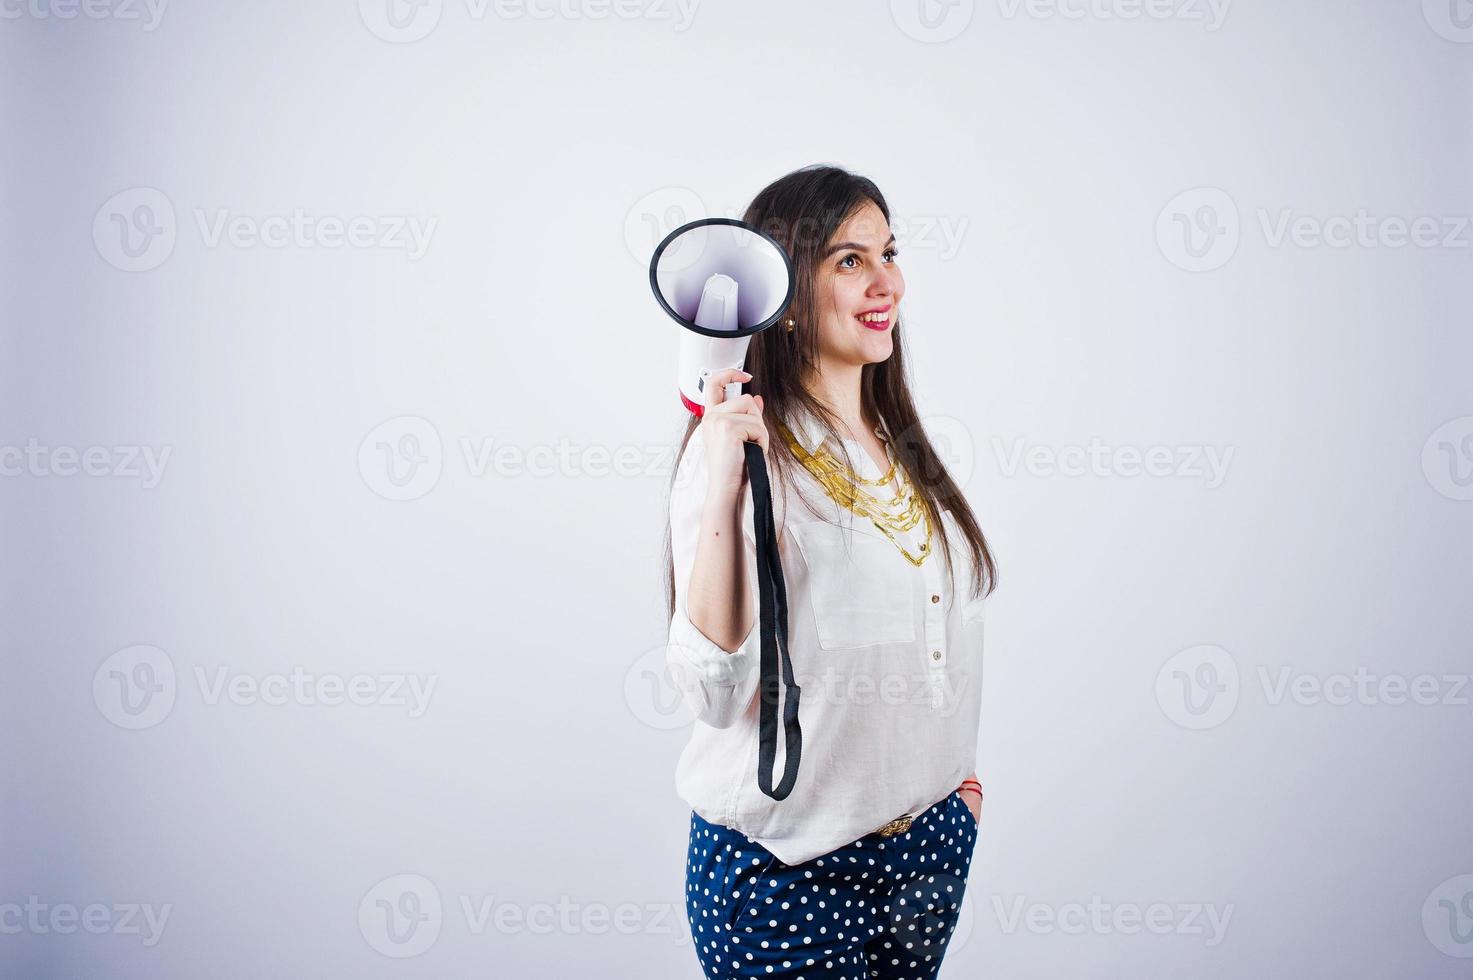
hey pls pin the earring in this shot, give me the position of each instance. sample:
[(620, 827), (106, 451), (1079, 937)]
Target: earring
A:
[(790, 324)]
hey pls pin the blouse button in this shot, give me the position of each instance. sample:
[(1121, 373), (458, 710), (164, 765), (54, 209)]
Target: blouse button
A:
[(935, 654), (935, 598)]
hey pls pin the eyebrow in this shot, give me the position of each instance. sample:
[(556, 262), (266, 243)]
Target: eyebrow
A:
[(854, 245)]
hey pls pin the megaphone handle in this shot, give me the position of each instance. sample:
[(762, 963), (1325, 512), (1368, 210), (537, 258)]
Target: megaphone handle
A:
[(734, 390), (772, 617)]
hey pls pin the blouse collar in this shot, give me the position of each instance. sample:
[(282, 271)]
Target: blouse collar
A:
[(809, 431)]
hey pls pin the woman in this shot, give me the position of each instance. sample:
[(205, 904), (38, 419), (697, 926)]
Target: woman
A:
[(859, 872)]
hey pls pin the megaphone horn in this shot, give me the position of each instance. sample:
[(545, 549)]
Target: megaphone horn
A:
[(723, 281)]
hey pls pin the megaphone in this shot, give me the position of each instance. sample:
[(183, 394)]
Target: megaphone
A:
[(723, 281)]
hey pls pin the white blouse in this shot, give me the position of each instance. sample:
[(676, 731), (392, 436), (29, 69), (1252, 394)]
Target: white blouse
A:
[(888, 656)]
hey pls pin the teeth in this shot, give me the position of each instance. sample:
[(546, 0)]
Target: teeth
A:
[(875, 317)]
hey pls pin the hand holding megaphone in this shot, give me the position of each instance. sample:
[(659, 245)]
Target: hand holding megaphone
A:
[(726, 425)]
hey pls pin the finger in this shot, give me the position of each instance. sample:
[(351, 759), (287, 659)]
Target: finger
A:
[(717, 381), (744, 404), (749, 428)]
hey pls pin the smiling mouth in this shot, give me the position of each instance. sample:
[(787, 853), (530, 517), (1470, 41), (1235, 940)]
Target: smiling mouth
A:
[(876, 320)]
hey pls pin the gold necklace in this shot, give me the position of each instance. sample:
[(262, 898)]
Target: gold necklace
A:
[(892, 516)]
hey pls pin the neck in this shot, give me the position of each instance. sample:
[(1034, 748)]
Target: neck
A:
[(838, 389)]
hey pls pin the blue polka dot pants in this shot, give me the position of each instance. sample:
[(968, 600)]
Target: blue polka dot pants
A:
[(881, 907)]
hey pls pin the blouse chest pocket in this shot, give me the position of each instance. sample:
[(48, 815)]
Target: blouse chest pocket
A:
[(860, 586)]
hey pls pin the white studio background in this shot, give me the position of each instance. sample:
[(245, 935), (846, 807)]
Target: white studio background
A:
[(335, 416)]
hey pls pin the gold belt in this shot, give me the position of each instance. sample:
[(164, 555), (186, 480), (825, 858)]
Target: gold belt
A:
[(901, 823), (897, 826)]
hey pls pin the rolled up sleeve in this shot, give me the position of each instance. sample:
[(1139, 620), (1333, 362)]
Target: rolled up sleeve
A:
[(717, 685)]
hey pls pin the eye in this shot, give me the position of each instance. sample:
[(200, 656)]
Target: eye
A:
[(891, 253), (851, 257)]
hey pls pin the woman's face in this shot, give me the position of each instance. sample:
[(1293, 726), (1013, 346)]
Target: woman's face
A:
[(857, 287)]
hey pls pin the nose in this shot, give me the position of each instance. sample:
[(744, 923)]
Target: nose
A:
[(883, 283)]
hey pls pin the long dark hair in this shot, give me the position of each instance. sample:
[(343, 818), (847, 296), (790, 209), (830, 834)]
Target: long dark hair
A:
[(803, 211)]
